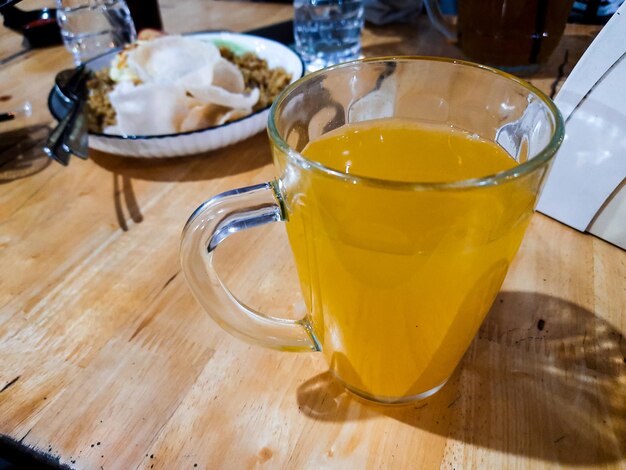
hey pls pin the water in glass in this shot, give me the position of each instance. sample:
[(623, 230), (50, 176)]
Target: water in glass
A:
[(90, 28), (327, 32)]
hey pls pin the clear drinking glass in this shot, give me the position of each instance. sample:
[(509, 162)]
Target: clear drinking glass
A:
[(397, 275), (92, 27), (327, 32)]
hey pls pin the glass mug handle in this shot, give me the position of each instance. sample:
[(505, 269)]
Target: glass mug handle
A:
[(211, 223), (439, 22)]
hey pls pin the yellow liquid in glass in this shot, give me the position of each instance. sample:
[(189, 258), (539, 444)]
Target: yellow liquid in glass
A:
[(397, 281)]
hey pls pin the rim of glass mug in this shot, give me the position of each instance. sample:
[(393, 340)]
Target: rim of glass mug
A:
[(541, 158)]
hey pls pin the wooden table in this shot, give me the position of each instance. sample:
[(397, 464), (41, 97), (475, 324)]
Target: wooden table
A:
[(106, 360)]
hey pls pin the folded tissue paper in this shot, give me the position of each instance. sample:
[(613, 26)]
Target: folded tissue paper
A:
[(586, 187)]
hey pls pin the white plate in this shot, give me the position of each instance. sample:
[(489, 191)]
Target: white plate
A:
[(202, 140)]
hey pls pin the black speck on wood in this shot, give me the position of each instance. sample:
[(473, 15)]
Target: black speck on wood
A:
[(10, 383), (541, 324)]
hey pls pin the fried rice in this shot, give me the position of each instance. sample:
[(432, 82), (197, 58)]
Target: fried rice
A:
[(255, 71)]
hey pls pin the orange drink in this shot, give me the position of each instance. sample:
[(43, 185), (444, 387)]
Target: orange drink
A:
[(399, 285)]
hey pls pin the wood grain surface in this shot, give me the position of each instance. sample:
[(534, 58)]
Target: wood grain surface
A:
[(106, 360)]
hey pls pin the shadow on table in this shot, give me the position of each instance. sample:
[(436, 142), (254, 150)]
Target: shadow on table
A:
[(21, 152), (544, 378), (241, 157)]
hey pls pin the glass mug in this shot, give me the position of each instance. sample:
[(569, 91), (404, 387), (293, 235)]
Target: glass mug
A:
[(397, 276), (515, 35)]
